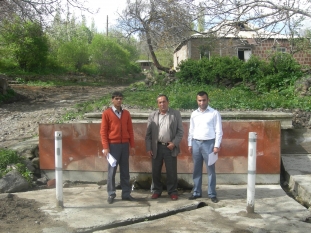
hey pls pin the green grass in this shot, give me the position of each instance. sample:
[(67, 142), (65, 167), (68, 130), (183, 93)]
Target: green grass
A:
[(183, 96), (9, 157), (10, 94)]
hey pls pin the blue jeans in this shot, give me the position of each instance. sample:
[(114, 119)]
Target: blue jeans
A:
[(200, 152)]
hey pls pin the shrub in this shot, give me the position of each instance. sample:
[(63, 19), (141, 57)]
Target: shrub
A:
[(10, 93), (189, 71), (279, 72), (10, 157)]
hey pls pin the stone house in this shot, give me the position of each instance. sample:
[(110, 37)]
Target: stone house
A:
[(238, 40)]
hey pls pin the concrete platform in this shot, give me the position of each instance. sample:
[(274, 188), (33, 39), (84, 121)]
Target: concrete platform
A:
[(298, 175), (86, 210)]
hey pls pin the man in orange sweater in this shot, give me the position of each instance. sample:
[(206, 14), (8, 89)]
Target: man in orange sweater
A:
[(117, 137)]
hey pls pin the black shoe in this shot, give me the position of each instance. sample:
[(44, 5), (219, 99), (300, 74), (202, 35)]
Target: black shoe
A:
[(129, 198), (110, 199), (193, 197), (214, 199)]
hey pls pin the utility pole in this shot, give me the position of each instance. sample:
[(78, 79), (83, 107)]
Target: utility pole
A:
[(107, 27)]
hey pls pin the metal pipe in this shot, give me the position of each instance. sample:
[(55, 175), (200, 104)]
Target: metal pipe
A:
[(251, 177), (58, 169)]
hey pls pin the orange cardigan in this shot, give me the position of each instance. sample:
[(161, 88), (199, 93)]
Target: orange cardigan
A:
[(114, 130)]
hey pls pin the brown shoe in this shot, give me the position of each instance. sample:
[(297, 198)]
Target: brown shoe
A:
[(155, 196), (174, 197)]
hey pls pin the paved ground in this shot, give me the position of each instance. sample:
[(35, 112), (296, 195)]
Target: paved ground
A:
[(86, 209)]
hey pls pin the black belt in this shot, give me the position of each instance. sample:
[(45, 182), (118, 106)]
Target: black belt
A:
[(163, 143), (202, 140)]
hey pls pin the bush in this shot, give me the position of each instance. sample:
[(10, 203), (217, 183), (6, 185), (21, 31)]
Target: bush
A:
[(189, 71), (111, 59), (10, 157), (27, 43), (10, 93), (279, 72)]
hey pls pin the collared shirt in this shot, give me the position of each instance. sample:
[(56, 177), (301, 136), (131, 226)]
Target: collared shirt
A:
[(205, 125), (117, 112), (164, 127)]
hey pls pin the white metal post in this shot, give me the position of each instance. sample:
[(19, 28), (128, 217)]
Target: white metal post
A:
[(251, 177), (58, 169)]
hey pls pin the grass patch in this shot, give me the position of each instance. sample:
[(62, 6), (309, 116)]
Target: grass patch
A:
[(10, 93), (8, 158), (183, 97)]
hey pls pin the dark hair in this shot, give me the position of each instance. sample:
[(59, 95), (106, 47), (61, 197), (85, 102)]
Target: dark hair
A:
[(116, 94), (162, 95), (201, 93)]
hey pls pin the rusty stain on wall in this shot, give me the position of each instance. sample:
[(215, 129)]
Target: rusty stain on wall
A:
[(81, 148)]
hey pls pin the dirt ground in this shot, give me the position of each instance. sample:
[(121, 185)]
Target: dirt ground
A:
[(19, 121), (18, 215), (34, 105)]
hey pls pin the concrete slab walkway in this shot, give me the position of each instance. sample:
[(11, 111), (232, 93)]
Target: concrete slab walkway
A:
[(86, 210)]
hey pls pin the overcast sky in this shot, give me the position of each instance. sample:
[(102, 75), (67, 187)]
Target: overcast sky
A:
[(110, 7), (106, 7)]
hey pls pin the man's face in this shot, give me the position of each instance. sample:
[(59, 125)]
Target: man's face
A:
[(117, 101), (162, 104), (202, 101)]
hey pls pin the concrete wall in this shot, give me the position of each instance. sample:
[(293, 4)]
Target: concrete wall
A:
[(228, 47), (83, 160), (296, 141)]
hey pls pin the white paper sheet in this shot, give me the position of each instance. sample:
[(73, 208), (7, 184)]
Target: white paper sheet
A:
[(112, 161), (212, 158)]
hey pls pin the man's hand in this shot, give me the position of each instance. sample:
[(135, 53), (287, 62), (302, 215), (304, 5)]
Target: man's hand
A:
[(106, 152), (170, 145), (150, 153), (216, 150), (190, 149), (132, 151)]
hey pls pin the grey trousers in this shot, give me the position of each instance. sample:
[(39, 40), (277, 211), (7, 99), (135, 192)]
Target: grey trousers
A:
[(164, 154), (121, 153)]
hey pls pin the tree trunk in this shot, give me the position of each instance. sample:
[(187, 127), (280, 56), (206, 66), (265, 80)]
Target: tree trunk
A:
[(154, 57)]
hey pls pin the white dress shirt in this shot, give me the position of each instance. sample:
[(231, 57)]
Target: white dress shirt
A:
[(115, 110), (205, 125)]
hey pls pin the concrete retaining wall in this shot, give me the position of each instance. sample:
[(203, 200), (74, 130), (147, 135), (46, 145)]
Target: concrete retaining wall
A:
[(83, 160)]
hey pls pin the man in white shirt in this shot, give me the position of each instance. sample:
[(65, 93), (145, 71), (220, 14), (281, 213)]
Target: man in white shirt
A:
[(205, 135)]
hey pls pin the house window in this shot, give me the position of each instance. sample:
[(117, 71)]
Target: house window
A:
[(205, 53), (280, 49), (244, 54)]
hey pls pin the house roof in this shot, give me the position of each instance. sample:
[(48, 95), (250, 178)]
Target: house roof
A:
[(239, 30), (141, 61)]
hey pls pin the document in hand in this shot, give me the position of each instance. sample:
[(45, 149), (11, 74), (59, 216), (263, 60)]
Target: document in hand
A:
[(212, 158), (112, 161)]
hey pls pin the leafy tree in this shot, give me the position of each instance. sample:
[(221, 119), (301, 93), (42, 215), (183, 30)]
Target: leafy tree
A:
[(27, 42), (110, 58), (73, 54), (36, 10), (130, 44), (70, 42)]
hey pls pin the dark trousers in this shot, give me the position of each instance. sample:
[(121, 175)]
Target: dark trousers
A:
[(164, 154), (121, 153)]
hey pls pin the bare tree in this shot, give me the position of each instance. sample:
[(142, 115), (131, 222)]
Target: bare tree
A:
[(162, 23), (37, 10), (267, 15)]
